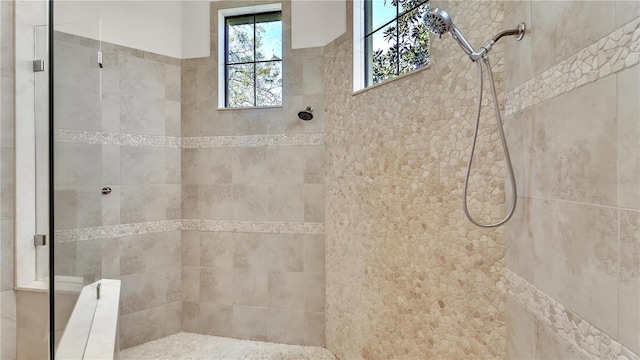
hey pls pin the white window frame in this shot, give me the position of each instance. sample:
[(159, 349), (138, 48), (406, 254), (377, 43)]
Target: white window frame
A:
[(222, 14)]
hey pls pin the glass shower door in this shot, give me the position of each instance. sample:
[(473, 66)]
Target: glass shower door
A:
[(77, 170)]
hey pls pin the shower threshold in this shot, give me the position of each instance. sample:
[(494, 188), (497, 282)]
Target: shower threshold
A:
[(195, 346)]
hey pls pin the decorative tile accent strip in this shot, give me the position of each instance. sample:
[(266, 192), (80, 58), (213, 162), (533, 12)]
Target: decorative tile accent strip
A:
[(251, 140), (272, 227), (590, 341), (113, 231), (615, 52), (106, 138)]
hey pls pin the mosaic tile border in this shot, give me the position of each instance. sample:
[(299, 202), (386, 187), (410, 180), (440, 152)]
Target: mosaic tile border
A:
[(270, 227), (252, 140), (588, 340), (122, 139), (613, 53), (114, 231), (106, 138)]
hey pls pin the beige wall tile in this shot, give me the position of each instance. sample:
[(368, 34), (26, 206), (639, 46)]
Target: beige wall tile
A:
[(174, 284), (314, 164), (173, 120), (7, 255), (628, 177), (190, 317), (551, 346), (249, 322), (284, 164), (173, 166), (626, 10), (286, 203), (143, 165), (189, 169), (173, 318), (216, 202), (214, 165), (520, 331), (216, 319), (314, 325), (519, 239), (190, 201), (250, 288), (142, 326), (550, 18), (286, 253), (78, 164), (250, 251), (629, 285), (314, 254), (142, 203), (314, 292), (249, 202), (286, 326), (314, 202), (517, 65), (142, 291), (217, 249), (141, 77), (111, 258), (191, 283), (142, 115), (191, 248), (217, 285), (249, 165), (32, 334), (574, 156), (576, 257), (8, 325), (286, 291)]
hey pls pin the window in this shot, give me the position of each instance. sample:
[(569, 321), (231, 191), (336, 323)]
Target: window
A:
[(394, 38), (253, 60)]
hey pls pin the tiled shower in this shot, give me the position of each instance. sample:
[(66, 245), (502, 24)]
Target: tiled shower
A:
[(345, 232)]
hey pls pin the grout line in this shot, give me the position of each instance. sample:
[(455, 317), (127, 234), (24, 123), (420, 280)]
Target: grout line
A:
[(610, 207)]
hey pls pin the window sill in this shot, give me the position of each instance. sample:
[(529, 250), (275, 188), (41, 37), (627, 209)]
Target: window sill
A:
[(388, 81), (251, 108)]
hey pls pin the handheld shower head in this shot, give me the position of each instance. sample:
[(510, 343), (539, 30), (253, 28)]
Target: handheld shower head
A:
[(439, 22)]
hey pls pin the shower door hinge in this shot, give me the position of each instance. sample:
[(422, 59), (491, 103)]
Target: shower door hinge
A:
[(100, 59), (39, 240), (38, 65)]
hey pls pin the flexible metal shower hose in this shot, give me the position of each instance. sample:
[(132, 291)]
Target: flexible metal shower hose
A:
[(507, 158)]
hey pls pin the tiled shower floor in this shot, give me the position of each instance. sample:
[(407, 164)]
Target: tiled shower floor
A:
[(195, 346)]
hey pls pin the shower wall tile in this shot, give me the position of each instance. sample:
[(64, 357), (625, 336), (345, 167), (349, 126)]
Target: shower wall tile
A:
[(626, 11), (6, 256), (142, 115), (575, 152), (215, 319), (629, 280), (286, 291), (142, 165), (550, 346), (576, 258), (628, 117), (579, 173), (142, 326), (250, 323), (400, 252), (250, 167), (520, 331), (548, 48)]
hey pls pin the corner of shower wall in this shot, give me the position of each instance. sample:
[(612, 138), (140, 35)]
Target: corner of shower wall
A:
[(573, 122)]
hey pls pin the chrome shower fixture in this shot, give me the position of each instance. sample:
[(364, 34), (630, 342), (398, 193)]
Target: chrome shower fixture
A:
[(439, 22)]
